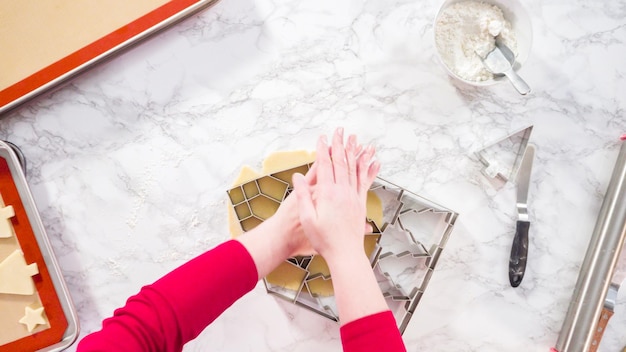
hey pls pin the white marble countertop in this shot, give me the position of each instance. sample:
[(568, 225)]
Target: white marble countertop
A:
[(129, 163)]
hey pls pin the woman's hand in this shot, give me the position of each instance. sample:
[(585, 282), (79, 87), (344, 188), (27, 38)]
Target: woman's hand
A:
[(288, 219), (332, 214), (332, 211), (279, 237)]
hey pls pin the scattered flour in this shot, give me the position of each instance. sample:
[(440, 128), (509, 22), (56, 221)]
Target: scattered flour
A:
[(467, 29)]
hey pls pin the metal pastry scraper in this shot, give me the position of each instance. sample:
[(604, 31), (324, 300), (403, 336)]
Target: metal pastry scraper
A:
[(519, 249)]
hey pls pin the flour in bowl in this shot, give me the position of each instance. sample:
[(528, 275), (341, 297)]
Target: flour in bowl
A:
[(464, 31)]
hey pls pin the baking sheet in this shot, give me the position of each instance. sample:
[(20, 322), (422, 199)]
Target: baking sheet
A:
[(46, 42), (51, 292)]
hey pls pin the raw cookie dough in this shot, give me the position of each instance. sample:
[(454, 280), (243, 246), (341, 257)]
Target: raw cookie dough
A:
[(279, 161), (16, 276), (6, 228), (287, 275), (320, 286), (33, 317), (318, 266)]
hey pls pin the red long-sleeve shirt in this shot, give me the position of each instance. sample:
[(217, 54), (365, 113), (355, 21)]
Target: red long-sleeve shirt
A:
[(176, 308)]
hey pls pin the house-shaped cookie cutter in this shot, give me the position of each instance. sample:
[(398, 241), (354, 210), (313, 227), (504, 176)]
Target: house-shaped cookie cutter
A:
[(403, 249)]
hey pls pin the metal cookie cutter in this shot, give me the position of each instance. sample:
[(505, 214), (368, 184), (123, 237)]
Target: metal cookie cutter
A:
[(405, 262), (502, 158), (404, 246)]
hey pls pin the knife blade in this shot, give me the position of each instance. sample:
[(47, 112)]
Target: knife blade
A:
[(619, 274), (519, 249)]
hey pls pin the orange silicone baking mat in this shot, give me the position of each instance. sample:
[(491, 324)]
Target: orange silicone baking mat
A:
[(44, 42), (48, 298)]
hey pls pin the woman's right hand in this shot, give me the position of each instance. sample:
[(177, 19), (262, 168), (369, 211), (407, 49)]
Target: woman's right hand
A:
[(333, 210), (332, 215)]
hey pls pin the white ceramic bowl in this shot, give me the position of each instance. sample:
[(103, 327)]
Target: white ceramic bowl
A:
[(516, 14)]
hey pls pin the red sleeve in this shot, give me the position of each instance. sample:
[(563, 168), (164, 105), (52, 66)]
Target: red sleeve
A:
[(376, 332), (176, 308)]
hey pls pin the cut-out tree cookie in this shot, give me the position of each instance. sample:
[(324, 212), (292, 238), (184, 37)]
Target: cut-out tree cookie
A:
[(6, 228), (16, 275), (32, 318)]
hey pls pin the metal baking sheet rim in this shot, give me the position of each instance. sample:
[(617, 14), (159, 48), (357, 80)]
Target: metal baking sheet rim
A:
[(71, 333), (201, 5)]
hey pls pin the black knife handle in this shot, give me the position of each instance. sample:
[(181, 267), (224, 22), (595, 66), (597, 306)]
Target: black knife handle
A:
[(519, 253)]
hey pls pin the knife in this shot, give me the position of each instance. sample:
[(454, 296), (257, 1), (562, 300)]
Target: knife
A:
[(519, 249), (619, 274)]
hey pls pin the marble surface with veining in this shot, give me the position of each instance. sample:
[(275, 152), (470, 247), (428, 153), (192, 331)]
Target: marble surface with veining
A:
[(130, 161)]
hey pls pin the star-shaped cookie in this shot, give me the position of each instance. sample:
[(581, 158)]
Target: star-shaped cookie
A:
[(32, 318)]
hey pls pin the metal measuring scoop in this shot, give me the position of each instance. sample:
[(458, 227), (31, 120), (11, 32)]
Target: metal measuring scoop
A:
[(500, 62)]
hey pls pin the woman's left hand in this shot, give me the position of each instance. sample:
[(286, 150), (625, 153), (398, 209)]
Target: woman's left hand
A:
[(287, 218)]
